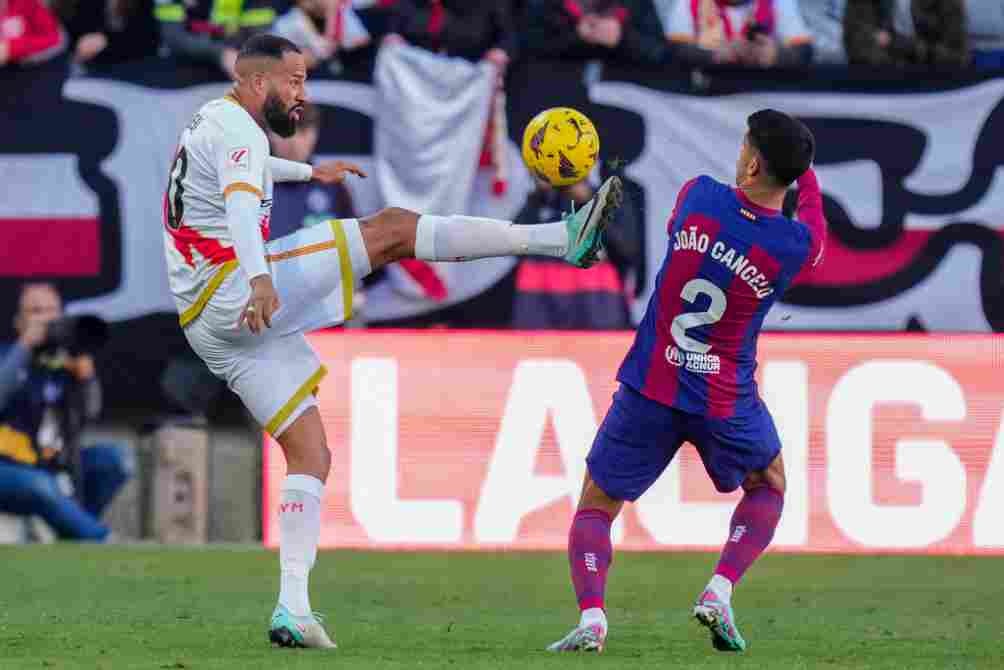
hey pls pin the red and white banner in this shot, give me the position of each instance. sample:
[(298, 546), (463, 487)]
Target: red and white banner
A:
[(460, 440)]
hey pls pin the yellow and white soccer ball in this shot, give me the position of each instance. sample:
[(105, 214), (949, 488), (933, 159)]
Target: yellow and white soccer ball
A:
[(560, 146)]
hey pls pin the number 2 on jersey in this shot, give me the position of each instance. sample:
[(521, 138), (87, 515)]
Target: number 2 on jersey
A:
[(713, 314), (175, 189)]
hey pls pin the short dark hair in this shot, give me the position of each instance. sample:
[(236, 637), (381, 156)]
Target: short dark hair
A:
[(267, 46), (786, 144)]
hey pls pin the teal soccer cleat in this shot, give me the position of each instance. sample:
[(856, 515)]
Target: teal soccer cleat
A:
[(717, 617), (585, 227), (287, 630)]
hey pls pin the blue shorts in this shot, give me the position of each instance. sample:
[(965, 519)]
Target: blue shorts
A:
[(639, 437)]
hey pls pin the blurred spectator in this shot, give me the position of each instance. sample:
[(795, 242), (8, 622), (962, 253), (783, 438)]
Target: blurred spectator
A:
[(906, 32), (29, 33), (825, 19), (124, 30), (986, 33), (36, 384), (211, 31), (471, 30), (550, 294), (752, 33), (626, 30), (300, 204), (321, 28)]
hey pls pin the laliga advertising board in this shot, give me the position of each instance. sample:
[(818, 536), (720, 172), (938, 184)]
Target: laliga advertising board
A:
[(477, 441)]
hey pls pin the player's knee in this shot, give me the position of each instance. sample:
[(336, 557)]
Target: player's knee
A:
[(594, 497), (398, 215), (771, 477)]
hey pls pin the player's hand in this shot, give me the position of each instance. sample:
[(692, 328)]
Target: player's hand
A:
[(4, 52), (263, 304), (586, 28), (334, 172), (81, 367), (33, 330), (89, 46)]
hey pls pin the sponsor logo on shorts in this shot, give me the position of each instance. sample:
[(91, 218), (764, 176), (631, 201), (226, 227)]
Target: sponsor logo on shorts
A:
[(702, 364)]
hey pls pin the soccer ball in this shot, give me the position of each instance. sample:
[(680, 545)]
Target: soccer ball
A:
[(560, 146)]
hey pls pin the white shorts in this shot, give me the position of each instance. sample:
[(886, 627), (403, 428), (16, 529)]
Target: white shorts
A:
[(276, 373)]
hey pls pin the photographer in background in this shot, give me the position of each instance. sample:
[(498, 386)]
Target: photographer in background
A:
[(42, 388)]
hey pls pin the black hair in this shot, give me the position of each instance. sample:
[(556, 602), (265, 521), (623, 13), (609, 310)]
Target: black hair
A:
[(267, 46), (785, 143)]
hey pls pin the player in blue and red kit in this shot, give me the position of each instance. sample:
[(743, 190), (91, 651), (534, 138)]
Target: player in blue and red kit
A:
[(689, 375)]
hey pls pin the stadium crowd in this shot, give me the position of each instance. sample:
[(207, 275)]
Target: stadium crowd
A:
[(753, 33)]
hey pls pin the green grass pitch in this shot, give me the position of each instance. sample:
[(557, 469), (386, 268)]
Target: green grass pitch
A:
[(66, 606)]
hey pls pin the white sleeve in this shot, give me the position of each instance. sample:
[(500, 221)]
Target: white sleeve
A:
[(242, 220), (284, 170), (240, 160), (680, 24), (791, 26)]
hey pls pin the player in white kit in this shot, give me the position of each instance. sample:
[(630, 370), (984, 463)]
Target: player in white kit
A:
[(245, 303)]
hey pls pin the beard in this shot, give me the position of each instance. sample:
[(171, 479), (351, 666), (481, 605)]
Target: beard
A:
[(280, 120)]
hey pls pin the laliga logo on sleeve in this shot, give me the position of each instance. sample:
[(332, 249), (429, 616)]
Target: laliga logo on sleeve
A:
[(239, 158)]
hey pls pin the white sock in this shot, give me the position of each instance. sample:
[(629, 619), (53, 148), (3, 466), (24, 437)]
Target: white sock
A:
[(721, 587), (594, 615), (461, 238), (299, 532)]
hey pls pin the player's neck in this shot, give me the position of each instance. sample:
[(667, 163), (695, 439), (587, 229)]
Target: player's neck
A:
[(768, 198), (235, 95)]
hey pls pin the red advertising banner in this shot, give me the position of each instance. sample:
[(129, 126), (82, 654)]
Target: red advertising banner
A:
[(477, 440)]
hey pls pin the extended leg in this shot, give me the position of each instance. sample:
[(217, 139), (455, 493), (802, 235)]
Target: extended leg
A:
[(394, 234)]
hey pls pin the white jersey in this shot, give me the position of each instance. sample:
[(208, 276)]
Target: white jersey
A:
[(222, 150)]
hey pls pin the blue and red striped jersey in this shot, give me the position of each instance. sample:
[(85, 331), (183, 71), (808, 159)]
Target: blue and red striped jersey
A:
[(728, 261)]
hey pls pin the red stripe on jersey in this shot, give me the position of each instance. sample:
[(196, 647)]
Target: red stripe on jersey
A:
[(186, 239), (728, 336), (663, 379), (680, 198)]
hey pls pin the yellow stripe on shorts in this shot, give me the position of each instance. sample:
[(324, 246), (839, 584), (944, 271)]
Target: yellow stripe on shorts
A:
[(345, 261), (308, 387), (200, 303)]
